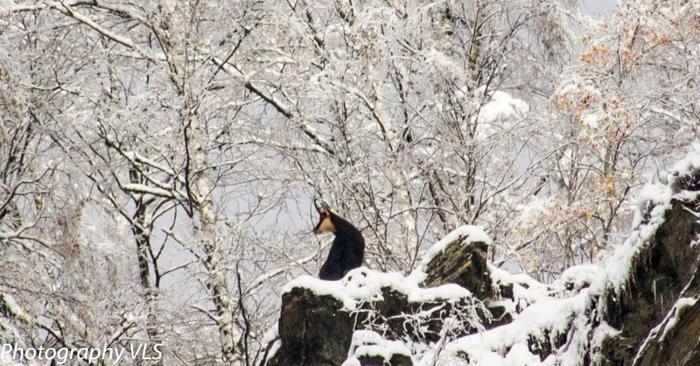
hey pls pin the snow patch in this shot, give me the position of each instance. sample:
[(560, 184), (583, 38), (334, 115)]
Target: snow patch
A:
[(577, 277), (520, 355), (652, 203), (547, 318), (686, 167), (363, 284), (370, 343), (675, 313), (669, 323), (501, 106)]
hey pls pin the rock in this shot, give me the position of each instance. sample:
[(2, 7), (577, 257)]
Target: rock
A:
[(396, 360), (313, 330), (646, 312), (665, 270), (464, 263)]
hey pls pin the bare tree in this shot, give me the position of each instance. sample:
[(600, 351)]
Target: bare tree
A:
[(158, 160)]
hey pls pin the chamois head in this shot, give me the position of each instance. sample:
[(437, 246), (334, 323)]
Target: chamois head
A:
[(325, 224)]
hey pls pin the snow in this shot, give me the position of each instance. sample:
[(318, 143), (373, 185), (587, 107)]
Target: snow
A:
[(448, 291), (323, 288), (526, 290), (687, 166), (491, 359), (370, 343), (501, 106), (652, 203), (504, 277), (674, 314), (668, 324), (552, 310), (578, 276), (533, 210), (552, 315), (275, 347), (363, 284), (654, 200), (547, 318), (545, 311), (580, 341), (520, 355), (144, 189), (271, 334), (590, 121), (544, 314)]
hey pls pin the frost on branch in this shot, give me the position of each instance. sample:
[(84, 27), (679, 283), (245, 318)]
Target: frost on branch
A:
[(639, 308)]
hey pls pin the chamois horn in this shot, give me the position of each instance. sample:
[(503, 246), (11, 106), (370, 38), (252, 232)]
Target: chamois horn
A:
[(321, 206)]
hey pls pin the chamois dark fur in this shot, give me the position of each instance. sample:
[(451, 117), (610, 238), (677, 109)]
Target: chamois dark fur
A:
[(348, 249)]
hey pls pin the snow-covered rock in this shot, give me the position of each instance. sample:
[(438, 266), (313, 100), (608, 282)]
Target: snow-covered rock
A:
[(456, 309)]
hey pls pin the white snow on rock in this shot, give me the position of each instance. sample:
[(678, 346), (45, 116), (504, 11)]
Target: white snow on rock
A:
[(577, 277), (539, 311), (652, 203), (272, 336), (543, 311), (548, 308), (673, 315), (546, 318), (370, 343), (363, 284), (669, 323), (687, 166), (526, 290)]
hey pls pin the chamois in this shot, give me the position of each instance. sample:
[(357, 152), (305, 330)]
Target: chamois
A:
[(348, 249)]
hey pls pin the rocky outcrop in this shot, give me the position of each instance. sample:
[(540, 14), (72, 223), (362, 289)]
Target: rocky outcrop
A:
[(656, 310), (316, 329), (640, 308), (462, 262)]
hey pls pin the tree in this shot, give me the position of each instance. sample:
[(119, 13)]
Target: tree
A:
[(620, 118), (161, 158)]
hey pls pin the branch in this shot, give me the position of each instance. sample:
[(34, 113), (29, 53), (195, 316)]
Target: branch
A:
[(260, 280), (144, 189), (279, 105), (67, 9)]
